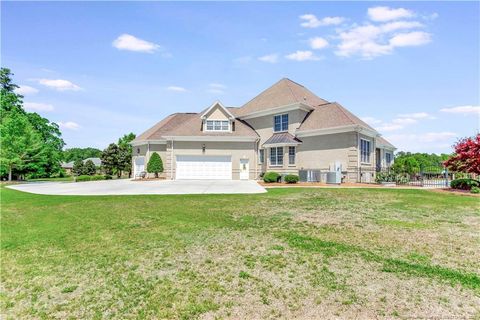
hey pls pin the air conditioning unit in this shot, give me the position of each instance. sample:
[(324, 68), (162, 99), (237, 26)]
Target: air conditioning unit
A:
[(334, 176)]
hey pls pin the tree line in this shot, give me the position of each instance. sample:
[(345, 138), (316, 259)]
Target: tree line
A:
[(32, 146)]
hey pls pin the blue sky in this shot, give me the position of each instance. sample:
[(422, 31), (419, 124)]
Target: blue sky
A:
[(102, 69)]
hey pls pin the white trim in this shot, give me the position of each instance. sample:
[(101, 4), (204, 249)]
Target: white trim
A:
[(217, 103), (213, 138), (282, 109), (370, 151), (339, 129), (146, 142), (272, 145), (221, 120)]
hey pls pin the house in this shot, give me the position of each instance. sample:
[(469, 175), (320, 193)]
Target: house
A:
[(286, 129), (68, 166)]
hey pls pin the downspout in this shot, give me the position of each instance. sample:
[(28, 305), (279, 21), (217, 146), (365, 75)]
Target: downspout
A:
[(171, 161)]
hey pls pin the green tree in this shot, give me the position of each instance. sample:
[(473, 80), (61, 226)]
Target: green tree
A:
[(125, 153), (73, 154), (155, 164), (42, 162), (110, 160), (89, 168), (21, 145), (78, 168)]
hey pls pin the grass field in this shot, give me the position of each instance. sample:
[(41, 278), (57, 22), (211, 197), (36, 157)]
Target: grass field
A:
[(289, 253)]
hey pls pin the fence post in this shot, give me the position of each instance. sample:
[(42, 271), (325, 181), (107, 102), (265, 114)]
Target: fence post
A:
[(446, 178)]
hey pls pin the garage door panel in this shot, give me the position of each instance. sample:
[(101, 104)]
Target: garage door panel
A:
[(204, 167)]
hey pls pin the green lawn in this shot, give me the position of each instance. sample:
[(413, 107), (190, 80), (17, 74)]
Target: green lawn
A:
[(289, 253)]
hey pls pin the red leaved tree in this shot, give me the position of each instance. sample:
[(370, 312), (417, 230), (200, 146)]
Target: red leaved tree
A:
[(467, 156)]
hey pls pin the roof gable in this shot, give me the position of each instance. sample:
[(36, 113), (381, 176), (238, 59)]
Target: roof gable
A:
[(284, 92), (215, 105)]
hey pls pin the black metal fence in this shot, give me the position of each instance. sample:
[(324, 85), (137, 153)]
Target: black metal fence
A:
[(431, 177)]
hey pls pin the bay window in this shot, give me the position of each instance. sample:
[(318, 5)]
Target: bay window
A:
[(276, 156)]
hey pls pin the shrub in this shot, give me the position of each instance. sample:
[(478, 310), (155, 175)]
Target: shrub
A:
[(271, 176), (83, 178), (89, 168), (385, 177), (108, 177), (97, 177), (464, 184), (155, 164), (475, 190), (77, 167), (291, 178)]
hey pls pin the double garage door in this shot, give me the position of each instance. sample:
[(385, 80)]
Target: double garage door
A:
[(204, 167)]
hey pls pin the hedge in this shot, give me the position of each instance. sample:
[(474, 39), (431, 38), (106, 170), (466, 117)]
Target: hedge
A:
[(90, 178), (464, 184), (291, 178), (270, 177)]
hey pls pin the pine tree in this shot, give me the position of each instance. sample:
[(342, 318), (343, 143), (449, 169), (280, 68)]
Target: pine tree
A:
[(89, 168), (155, 164), (78, 168)]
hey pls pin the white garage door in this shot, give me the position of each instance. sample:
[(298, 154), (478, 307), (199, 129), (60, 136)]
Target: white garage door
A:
[(204, 167)]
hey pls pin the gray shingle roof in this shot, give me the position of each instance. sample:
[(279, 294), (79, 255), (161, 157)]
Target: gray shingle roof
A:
[(330, 115), (282, 138), (381, 141), (282, 93)]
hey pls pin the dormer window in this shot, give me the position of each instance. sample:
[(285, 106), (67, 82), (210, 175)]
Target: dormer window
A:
[(217, 125), (280, 122)]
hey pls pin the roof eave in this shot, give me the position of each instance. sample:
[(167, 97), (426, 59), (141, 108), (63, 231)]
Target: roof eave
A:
[(285, 108), (340, 129)]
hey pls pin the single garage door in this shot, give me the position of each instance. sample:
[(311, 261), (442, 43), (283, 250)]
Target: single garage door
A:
[(204, 167)]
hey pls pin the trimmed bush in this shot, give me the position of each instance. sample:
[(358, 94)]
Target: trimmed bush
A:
[(291, 178), (464, 184), (155, 164), (108, 177), (83, 178), (271, 176), (97, 177), (475, 190), (77, 168)]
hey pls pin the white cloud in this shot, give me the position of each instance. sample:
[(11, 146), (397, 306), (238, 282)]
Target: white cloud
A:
[(59, 84), (318, 43), (131, 43), (26, 90), (217, 85), (216, 88), (424, 142), (404, 121), (416, 38), (371, 120), (416, 115), (176, 89), (302, 56), (311, 21), (387, 14), (400, 25), (465, 110), (370, 40), (270, 58), (70, 125), (389, 127), (35, 106)]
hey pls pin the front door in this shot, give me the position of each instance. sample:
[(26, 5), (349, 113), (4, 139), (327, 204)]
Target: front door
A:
[(244, 169)]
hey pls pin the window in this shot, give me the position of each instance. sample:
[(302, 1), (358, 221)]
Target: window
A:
[(291, 155), (364, 151), (261, 156), (218, 125), (280, 122), (388, 159), (276, 156)]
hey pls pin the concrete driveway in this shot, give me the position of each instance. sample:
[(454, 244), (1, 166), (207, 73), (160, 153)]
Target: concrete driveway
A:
[(130, 187)]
